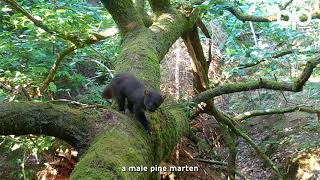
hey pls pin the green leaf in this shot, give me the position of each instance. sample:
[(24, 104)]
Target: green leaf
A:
[(52, 87)]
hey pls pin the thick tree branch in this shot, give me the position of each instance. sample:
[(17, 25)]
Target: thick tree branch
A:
[(305, 75), (167, 28), (126, 17), (203, 28), (296, 86), (255, 113), (44, 119), (242, 86), (140, 7)]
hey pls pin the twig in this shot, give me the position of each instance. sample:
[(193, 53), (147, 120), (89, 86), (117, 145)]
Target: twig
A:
[(221, 164)]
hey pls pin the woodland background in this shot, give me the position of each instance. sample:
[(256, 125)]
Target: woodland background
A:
[(65, 52)]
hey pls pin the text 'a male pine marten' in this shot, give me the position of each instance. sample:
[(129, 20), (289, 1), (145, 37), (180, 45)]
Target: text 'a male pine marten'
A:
[(127, 87)]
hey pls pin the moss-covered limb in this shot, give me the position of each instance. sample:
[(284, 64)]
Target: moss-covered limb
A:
[(296, 86), (170, 125), (242, 86), (226, 120), (140, 57), (168, 27), (255, 113), (21, 118), (124, 14), (140, 7), (230, 140), (159, 6), (124, 143), (305, 75), (143, 48), (245, 17)]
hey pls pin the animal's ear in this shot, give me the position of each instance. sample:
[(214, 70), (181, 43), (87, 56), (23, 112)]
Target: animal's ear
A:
[(146, 92)]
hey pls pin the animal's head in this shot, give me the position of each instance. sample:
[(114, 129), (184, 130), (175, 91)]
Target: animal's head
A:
[(152, 100)]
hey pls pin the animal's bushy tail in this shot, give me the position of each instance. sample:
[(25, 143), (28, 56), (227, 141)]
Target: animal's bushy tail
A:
[(107, 92)]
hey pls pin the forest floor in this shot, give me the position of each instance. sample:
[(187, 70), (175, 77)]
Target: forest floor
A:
[(281, 136)]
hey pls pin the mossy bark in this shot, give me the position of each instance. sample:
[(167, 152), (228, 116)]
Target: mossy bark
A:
[(21, 118), (125, 143)]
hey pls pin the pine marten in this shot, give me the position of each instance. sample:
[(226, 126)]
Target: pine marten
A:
[(127, 87)]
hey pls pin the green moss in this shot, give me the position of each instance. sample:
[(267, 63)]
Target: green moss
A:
[(122, 144), (138, 60), (22, 118), (170, 124)]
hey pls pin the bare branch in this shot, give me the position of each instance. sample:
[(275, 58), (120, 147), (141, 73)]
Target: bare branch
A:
[(277, 55), (56, 65), (203, 28), (255, 113)]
